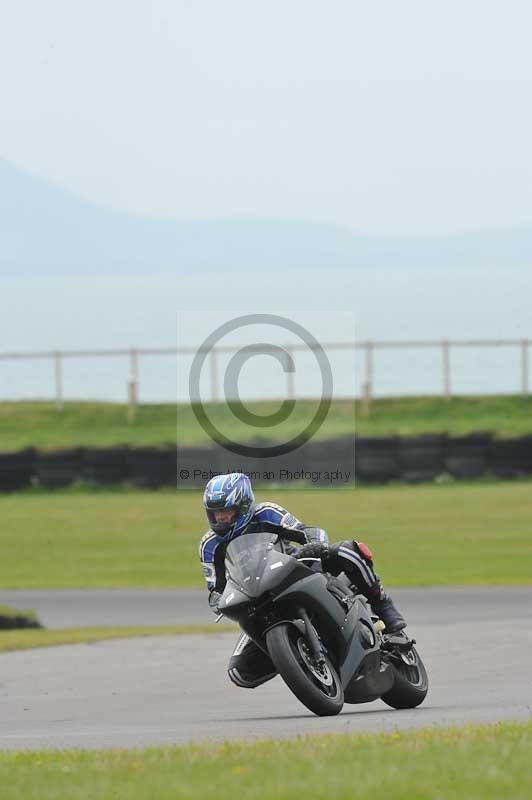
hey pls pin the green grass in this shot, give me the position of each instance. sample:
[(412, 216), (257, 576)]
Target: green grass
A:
[(30, 639), (104, 424), (477, 762), (421, 535), (38, 424)]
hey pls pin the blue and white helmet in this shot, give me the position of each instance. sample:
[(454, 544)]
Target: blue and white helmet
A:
[(229, 493)]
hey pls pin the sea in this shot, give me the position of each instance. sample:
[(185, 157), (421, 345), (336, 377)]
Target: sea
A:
[(105, 312)]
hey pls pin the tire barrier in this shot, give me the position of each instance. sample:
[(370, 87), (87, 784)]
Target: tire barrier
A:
[(466, 457), (17, 470), (327, 462), (104, 466), (376, 460), (151, 467), (58, 469), (510, 458), (327, 457), (421, 458)]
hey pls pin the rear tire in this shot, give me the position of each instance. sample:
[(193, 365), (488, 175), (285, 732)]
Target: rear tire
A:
[(320, 690), (411, 682)]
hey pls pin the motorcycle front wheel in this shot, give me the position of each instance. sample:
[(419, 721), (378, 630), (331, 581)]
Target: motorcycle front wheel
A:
[(316, 685)]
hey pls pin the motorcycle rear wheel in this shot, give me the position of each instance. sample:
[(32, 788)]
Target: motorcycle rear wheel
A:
[(318, 687), (411, 682)]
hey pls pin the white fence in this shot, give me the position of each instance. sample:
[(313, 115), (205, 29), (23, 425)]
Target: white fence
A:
[(442, 349)]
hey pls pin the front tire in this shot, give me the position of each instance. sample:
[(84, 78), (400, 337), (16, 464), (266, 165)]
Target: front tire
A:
[(318, 687), (411, 682)]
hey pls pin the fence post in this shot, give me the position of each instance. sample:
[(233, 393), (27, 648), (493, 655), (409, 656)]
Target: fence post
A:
[(446, 370), (290, 387), (366, 399), (524, 367), (133, 385), (214, 376), (58, 371), (367, 386)]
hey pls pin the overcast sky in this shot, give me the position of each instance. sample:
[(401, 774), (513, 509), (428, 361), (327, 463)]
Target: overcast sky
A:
[(409, 117)]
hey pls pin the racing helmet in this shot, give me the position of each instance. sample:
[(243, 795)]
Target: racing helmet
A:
[(231, 494)]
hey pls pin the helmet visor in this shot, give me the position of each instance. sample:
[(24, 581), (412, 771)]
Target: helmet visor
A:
[(221, 520)]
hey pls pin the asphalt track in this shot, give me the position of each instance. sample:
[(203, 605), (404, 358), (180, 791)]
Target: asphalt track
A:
[(477, 645), (65, 608)]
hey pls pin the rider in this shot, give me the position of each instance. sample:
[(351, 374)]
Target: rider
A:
[(231, 511)]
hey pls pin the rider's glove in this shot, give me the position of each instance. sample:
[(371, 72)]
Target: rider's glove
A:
[(214, 599), (315, 550)]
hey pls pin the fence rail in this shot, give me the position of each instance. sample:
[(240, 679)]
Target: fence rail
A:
[(369, 347)]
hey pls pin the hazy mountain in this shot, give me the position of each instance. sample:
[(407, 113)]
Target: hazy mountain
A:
[(45, 229)]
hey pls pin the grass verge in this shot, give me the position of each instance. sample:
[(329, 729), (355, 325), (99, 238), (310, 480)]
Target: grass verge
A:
[(30, 639), (484, 762), (421, 535), (24, 424)]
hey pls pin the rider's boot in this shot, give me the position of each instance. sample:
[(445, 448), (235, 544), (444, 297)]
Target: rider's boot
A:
[(382, 605)]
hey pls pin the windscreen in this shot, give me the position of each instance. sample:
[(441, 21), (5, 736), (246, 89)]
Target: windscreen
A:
[(246, 559)]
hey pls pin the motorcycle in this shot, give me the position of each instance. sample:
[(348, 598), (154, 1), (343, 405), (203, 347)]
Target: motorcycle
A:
[(319, 633)]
